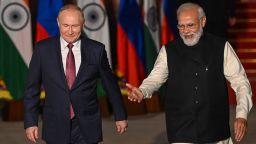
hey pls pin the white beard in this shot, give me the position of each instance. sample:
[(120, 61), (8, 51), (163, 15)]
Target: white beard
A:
[(195, 37)]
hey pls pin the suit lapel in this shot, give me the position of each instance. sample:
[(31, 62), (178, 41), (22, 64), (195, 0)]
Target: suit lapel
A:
[(84, 63), (61, 71)]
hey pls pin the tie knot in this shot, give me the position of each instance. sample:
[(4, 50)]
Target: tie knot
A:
[(70, 45)]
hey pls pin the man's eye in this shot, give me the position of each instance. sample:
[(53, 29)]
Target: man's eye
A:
[(180, 26), (190, 25)]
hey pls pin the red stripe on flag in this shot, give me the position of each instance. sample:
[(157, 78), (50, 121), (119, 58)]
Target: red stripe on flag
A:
[(167, 33), (41, 32), (128, 63)]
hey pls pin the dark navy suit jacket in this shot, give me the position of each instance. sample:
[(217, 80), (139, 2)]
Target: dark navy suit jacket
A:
[(46, 68)]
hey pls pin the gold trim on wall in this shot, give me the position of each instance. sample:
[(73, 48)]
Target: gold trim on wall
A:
[(250, 71), (243, 40), (246, 20), (242, 30), (246, 50), (248, 60), (246, 10)]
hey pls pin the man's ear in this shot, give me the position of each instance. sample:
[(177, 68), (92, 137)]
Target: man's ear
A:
[(203, 21)]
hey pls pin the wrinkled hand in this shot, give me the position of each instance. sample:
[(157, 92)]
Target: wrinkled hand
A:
[(32, 133), (134, 94), (121, 126), (240, 126)]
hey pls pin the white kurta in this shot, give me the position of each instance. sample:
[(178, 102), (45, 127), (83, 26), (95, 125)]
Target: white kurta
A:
[(233, 71)]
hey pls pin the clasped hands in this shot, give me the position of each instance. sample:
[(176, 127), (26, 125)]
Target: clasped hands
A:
[(134, 93)]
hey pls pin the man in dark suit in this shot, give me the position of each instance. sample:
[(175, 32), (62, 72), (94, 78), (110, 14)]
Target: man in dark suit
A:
[(68, 66)]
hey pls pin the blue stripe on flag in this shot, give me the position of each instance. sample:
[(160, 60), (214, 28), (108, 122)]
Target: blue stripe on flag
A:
[(131, 21), (47, 15), (169, 7)]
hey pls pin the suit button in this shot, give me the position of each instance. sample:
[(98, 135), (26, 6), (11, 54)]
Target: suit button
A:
[(196, 101), (196, 88), (196, 74)]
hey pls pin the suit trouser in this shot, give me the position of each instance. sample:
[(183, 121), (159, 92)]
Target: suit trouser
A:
[(75, 135)]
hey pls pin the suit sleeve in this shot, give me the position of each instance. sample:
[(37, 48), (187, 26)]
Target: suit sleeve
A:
[(32, 92), (111, 87)]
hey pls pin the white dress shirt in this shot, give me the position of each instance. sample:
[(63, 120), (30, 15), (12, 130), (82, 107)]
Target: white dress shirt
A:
[(76, 51), (233, 71)]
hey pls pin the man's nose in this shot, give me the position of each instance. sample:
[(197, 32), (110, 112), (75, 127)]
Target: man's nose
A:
[(70, 31), (186, 29)]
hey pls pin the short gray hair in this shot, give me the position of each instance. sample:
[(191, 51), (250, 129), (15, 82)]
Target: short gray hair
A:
[(72, 7), (187, 6)]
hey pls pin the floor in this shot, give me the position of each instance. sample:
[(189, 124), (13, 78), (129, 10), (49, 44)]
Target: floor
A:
[(143, 129)]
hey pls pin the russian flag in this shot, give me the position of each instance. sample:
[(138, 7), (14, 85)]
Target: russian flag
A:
[(130, 45), (47, 14), (47, 26), (169, 21)]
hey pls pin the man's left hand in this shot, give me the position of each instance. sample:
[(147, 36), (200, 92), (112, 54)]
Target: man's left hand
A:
[(121, 126), (240, 126)]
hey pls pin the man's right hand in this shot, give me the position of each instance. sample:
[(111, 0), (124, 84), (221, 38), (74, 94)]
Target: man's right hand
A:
[(134, 94), (32, 133)]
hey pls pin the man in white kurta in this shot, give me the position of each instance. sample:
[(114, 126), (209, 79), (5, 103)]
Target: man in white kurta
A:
[(191, 20)]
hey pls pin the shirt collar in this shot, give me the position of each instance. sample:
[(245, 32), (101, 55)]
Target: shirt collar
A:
[(64, 43)]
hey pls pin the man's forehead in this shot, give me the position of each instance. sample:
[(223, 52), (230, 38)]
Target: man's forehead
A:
[(188, 12), (187, 19), (188, 16)]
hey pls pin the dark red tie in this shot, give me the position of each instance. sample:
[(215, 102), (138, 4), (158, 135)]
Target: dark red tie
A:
[(70, 72)]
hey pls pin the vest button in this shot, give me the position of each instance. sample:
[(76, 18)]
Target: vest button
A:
[(196, 101), (196, 74), (196, 88)]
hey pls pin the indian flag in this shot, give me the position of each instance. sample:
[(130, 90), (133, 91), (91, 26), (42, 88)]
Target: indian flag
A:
[(15, 46), (96, 22), (151, 33), (96, 27)]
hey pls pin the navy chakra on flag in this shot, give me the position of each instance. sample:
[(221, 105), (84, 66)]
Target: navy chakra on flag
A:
[(15, 16), (152, 19), (94, 16)]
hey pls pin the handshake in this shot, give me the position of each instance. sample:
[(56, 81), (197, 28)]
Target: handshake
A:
[(134, 93)]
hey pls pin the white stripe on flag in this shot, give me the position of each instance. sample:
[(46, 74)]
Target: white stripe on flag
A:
[(96, 22), (19, 30)]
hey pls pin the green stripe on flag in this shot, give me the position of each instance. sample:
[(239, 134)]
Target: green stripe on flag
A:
[(150, 50), (100, 90), (13, 70)]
